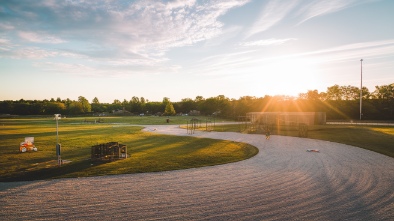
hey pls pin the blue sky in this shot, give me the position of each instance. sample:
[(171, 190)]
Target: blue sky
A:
[(183, 49)]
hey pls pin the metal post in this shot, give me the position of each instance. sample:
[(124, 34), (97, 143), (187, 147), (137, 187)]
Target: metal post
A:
[(59, 159), (361, 90)]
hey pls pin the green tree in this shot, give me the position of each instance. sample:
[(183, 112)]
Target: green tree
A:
[(95, 101), (75, 108), (169, 109), (86, 107), (334, 93)]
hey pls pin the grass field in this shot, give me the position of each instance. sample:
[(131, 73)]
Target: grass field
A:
[(148, 152), (376, 138)]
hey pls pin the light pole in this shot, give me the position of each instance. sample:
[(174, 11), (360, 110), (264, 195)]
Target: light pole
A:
[(361, 90), (58, 147)]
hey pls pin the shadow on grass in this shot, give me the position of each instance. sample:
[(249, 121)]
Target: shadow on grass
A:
[(52, 172)]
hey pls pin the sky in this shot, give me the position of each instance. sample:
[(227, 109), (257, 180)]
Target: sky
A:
[(187, 48)]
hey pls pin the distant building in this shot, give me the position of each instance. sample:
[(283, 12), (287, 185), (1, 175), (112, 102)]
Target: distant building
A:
[(287, 118)]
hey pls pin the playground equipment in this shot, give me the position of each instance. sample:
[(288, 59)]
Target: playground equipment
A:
[(27, 145), (192, 125), (109, 151), (195, 123)]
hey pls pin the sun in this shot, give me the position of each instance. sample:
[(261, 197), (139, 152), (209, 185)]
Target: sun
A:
[(291, 76)]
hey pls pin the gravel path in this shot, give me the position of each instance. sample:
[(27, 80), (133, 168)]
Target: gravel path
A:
[(283, 182)]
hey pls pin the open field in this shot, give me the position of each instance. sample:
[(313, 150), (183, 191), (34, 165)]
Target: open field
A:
[(282, 182), (148, 152)]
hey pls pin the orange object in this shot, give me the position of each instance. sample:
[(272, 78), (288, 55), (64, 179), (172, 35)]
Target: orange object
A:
[(27, 145)]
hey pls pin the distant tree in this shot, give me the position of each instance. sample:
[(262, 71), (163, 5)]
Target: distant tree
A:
[(75, 108), (154, 107), (350, 92), (334, 93), (116, 105), (199, 99), (219, 105), (169, 110), (312, 95), (166, 100), (95, 100), (143, 104), (55, 108), (186, 105), (169, 107), (86, 107), (384, 92), (135, 105), (385, 96), (96, 106)]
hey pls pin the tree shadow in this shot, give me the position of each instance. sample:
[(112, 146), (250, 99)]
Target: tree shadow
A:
[(52, 172)]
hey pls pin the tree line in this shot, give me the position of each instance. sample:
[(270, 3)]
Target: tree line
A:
[(339, 102)]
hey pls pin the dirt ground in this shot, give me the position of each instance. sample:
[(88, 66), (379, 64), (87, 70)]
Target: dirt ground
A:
[(283, 182)]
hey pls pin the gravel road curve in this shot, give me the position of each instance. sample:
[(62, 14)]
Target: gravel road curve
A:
[(282, 182)]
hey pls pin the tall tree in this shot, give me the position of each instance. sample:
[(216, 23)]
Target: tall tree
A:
[(169, 108), (86, 107), (95, 101), (334, 93)]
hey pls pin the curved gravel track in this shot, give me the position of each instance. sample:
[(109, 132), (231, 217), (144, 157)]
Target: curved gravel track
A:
[(282, 182)]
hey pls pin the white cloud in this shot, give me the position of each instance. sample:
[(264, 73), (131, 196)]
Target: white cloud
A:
[(277, 10), (146, 28), (273, 13), (6, 26), (130, 35), (39, 37), (321, 7), (267, 42)]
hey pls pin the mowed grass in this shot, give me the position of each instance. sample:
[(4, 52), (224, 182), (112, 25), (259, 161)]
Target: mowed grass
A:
[(379, 139), (148, 152)]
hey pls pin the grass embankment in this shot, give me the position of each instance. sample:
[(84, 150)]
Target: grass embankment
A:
[(148, 152), (376, 138)]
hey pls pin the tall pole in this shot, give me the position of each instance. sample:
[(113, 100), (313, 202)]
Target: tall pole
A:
[(57, 129), (361, 90), (58, 147)]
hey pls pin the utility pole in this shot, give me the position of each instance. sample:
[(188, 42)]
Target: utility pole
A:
[(361, 90)]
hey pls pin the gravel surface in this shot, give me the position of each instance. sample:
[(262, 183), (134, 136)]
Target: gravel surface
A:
[(282, 182)]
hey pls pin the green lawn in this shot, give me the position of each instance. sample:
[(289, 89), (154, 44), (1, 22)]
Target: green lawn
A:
[(148, 152)]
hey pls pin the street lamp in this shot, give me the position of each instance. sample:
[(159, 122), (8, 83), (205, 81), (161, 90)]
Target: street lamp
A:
[(58, 146), (361, 90)]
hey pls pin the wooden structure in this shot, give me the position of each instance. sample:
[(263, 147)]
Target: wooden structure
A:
[(109, 151)]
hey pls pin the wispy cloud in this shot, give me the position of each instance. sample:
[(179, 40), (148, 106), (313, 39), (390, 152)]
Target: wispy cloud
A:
[(267, 42), (243, 61), (371, 50), (300, 10), (321, 7), (272, 13), (135, 33), (39, 37), (148, 28)]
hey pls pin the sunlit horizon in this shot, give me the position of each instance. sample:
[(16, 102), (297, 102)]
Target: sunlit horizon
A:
[(183, 49)]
